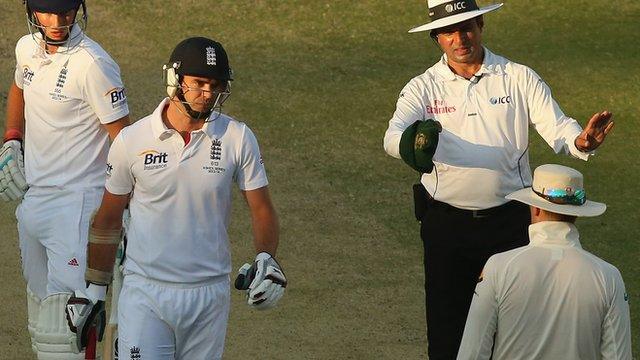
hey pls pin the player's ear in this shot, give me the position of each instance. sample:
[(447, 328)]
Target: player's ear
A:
[(433, 34), (480, 22)]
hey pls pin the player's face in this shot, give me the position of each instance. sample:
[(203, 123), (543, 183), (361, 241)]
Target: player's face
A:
[(56, 26), (462, 42), (201, 92)]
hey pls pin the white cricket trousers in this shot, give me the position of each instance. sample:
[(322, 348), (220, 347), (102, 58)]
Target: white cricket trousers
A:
[(53, 226), (162, 321)]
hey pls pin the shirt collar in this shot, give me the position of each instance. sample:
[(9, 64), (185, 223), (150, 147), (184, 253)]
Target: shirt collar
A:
[(550, 233), (489, 66), (75, 37), (162, 132)]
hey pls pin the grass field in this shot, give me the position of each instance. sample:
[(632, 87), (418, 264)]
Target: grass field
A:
[(317, 82)]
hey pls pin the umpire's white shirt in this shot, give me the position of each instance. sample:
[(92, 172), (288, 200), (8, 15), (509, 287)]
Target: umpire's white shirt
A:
[(482, 153), (67, 95), (182, 194), (548, 300)]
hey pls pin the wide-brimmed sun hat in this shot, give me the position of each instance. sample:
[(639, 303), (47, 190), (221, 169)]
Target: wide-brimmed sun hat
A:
[(558, 189), (445, 12)]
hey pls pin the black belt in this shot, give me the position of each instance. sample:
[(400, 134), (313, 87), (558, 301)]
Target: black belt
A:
[(477, 213)]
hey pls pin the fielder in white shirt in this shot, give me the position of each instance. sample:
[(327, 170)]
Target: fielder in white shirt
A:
[(484, 105), (67, 100), (550, 299), (179, 164)]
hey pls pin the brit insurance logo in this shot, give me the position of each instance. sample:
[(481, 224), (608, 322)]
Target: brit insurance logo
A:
[(500, 100), (154, 160), (27, 76), (117, 96)]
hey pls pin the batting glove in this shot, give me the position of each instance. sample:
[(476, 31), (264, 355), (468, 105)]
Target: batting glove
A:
[(12, 180), (264, 282), (85, 309)]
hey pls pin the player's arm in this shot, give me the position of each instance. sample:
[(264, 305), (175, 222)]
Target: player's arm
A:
[(479, 330), (264, 280), (86, 307), (108, 220), (264, 220), (113, 128), (616, 327), (15, 110)]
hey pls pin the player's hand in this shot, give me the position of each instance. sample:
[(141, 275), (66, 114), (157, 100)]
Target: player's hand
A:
[(264, 282), (12, 181), (85, 310), (594, 133)]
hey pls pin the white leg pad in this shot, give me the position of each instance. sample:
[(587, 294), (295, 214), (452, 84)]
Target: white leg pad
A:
[(54, 340), (33, 309)]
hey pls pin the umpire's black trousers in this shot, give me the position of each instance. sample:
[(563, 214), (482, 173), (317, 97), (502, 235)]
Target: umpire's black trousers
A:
[(457, 244)]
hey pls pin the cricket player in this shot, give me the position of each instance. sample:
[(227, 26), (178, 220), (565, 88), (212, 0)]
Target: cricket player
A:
[(550, 299), (464, 125), (66, 101), (179, 164)]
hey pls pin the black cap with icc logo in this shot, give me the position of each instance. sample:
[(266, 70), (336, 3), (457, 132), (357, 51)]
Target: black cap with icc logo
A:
[(199, 56)]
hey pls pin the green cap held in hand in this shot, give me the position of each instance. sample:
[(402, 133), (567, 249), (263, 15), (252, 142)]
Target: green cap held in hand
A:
[(418, 144)]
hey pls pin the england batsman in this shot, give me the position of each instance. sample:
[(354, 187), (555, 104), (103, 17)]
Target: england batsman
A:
[(66, 101), (179, 163)]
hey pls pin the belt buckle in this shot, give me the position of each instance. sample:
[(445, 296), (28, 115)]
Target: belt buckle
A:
[(476, 214)]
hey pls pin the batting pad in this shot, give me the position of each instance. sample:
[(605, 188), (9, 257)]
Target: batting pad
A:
[(33, 309), (54, 340)]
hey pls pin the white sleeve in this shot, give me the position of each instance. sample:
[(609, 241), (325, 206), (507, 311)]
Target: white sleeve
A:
[(120, 180), (18, 74), (250, 173), (557, 129), (104, 91), (409, 109), (17, 77), (616, 327), (482, 320)]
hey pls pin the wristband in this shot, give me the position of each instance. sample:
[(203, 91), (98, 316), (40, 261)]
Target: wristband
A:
[(12, 134)]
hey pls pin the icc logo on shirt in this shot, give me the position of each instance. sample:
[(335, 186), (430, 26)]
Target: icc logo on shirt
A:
[(500, 100)]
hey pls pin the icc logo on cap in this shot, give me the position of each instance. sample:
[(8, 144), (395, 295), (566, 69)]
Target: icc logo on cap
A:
[(456, 6)]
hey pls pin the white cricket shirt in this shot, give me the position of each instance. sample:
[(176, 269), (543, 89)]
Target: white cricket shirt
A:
[(182, 194), (67, 96), (548, 300), (482, 151)]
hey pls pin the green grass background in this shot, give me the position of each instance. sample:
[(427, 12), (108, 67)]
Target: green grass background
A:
[(317, 81)]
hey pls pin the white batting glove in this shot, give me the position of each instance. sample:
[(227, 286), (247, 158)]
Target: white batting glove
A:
[(84, 310), (264, 282), (12, 180)]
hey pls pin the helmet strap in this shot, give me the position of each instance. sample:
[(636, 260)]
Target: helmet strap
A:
[(196, 115)]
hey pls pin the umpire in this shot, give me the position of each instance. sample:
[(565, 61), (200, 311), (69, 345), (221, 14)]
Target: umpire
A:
[(463, 124)]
